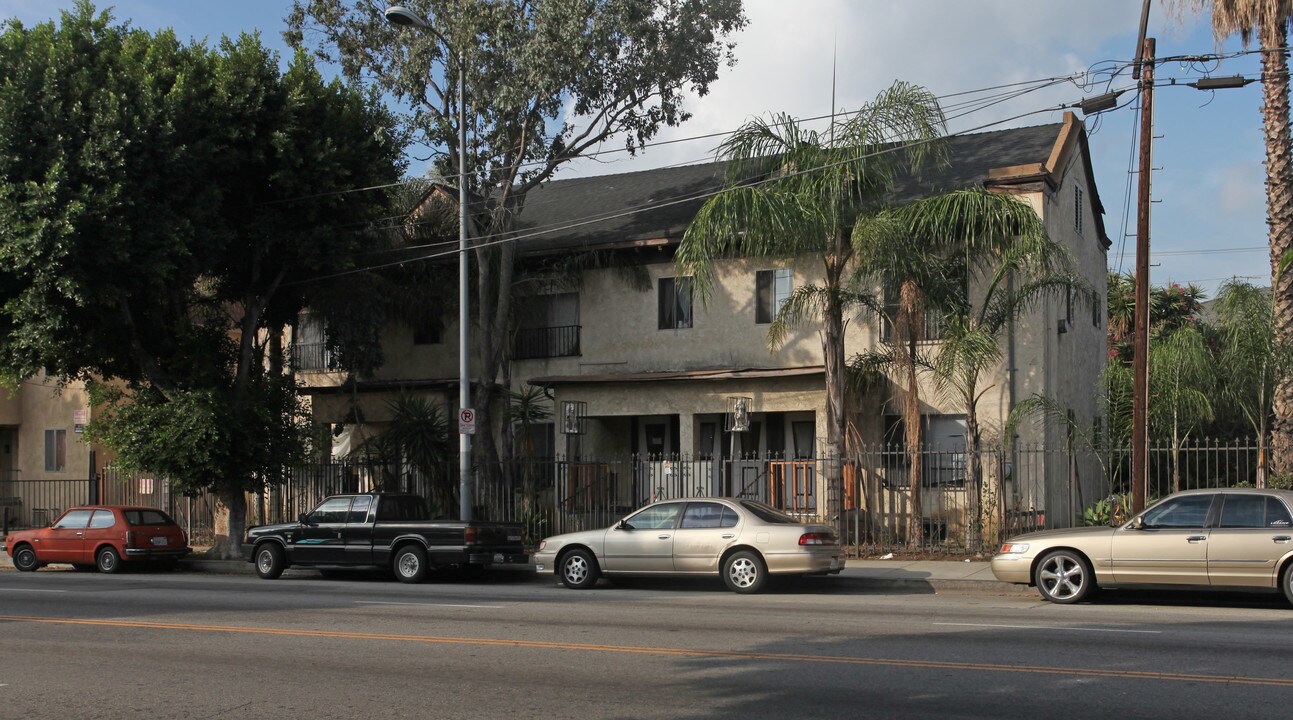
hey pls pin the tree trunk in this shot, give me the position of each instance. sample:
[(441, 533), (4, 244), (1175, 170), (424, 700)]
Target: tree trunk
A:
[(1279, 218), (833, 350), (230, 523), (905, 354), (974, 478)]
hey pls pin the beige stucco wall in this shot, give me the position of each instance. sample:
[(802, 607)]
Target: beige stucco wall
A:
[(43, 405)]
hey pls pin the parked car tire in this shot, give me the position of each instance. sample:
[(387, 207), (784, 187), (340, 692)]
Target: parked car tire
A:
[(579, 569), (24, 558), (270, 562), (410, 564), (1064, 577), (108, 560), (1286, 581), (744, 572)]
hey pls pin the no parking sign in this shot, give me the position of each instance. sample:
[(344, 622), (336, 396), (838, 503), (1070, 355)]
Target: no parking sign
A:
[(467, 421)]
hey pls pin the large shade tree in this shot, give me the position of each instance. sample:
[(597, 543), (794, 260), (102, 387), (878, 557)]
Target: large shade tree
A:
[(547, 81), (1267, 22), (158, 201)]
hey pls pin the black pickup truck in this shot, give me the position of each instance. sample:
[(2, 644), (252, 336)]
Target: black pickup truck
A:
[(382, 529)]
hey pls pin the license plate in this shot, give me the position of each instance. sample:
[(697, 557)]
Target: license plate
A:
[(514, 538), (159, 541), (835, 563), (498, 557)]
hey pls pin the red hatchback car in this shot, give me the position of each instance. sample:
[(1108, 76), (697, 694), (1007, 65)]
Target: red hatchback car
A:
[(99, 536)]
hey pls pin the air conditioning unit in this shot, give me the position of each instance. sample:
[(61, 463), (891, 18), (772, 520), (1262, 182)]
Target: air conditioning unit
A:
[(1064, 325)]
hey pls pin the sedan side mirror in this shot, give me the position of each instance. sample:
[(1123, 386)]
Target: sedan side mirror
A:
[(304, 519), (1137, 523), (623, 525)]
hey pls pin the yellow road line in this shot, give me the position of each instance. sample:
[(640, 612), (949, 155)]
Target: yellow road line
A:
[(676, 652)]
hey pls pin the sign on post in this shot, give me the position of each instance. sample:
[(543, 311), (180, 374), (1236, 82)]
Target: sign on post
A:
[(467, 421)]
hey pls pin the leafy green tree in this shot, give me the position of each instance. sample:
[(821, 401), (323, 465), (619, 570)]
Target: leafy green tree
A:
[(547, 81), (930, 251), (1254, 360), (814, 199), (1182, 375), (1019, 276), (159, 200), (1268, 22)]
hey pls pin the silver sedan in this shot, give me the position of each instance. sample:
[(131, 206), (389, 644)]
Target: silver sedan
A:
[(1228, 538), (741, 540)]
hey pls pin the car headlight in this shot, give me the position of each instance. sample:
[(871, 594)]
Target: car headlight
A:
[(542, 544), (1014, 548)]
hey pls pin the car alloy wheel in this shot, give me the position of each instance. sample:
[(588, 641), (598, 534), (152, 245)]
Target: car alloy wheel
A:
[(1063, 577), (579, 570), (743, 572)]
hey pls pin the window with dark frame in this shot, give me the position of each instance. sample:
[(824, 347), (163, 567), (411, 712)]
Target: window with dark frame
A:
[(772, 289), (674, 303), (55, 450), (428, 333)]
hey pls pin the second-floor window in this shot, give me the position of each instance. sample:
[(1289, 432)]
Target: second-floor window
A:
[(310, 344), (674, 303), (926, 325), (771, 290)]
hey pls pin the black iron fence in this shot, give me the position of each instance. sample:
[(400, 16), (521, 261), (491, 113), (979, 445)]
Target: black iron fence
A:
[(546, 342), (962, 502)]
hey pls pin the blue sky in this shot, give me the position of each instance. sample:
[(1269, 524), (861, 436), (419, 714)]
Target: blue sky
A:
[(1210, 185)]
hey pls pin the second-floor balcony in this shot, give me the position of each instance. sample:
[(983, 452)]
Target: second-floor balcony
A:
[(546, 342), (312, 357)]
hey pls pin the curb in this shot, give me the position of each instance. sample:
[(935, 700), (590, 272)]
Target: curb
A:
[(859, 582)]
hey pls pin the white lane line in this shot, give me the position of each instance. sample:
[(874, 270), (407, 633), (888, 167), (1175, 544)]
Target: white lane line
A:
[(30, 590), (380, 602), (1052, 627)]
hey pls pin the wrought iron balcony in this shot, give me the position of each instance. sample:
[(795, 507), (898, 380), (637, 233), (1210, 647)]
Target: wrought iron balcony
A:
[(548, 342), (312, 357)]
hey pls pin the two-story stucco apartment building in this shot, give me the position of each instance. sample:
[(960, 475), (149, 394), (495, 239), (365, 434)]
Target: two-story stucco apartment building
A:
[(643, 368)]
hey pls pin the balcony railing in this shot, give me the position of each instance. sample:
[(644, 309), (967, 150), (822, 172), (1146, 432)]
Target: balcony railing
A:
[(548, 342), (312, 357)]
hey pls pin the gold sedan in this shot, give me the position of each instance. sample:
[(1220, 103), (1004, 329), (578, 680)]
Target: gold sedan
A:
[(1231, 538), (742, 540)]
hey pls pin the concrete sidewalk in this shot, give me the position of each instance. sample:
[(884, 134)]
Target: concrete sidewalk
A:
[(929, 576)]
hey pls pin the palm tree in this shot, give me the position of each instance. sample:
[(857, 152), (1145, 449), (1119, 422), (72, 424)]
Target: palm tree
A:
[(797, 193), (931, 249), (1253, 359), (1182, 374), (1268, 22)]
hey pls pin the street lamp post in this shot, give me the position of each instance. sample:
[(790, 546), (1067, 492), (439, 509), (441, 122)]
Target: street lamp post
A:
[(401, 16)]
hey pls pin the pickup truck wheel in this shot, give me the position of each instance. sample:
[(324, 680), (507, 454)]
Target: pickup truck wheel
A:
[(270, 562), (579, 570), (24, 558), (107, 560), (410, 564)]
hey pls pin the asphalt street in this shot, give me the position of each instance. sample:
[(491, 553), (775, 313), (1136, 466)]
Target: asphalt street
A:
[(178, 645)]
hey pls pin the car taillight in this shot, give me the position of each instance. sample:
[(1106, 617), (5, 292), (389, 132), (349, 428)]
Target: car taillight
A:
[(814, 538), (130, 538), (470, 536)]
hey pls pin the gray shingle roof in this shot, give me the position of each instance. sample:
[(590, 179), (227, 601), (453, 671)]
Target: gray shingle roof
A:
[(563, 202)]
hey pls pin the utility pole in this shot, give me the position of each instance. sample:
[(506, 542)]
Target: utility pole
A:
[(1140, 361)]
